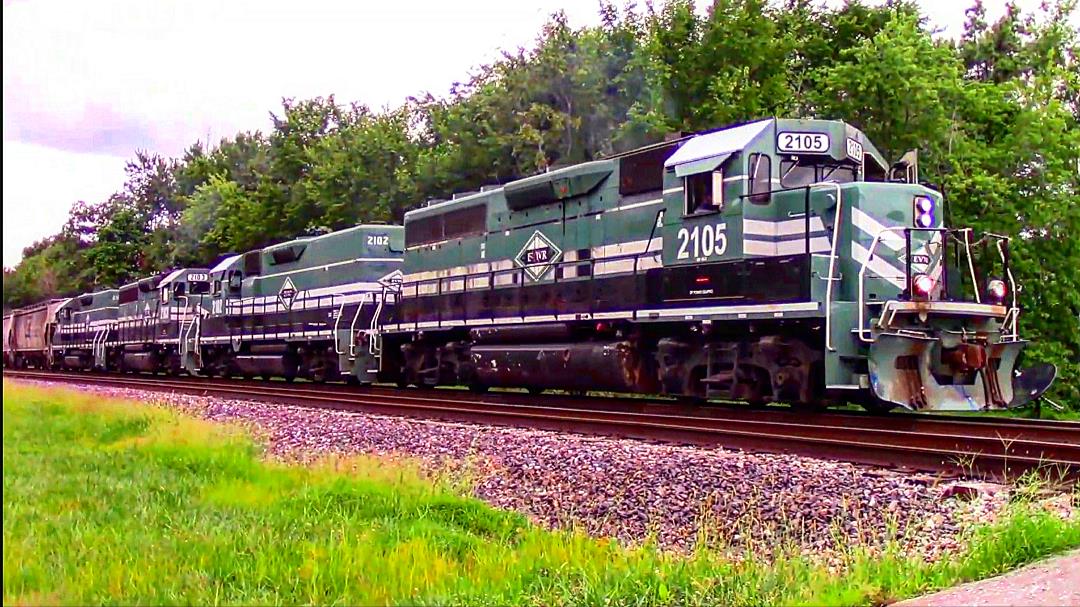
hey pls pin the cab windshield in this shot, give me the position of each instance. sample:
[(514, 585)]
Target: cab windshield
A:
[(199, 288), (795, 173)]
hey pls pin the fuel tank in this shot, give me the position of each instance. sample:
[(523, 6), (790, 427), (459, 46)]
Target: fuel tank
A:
[(614, 366), (276, 365), (78, 361), (141, 361)]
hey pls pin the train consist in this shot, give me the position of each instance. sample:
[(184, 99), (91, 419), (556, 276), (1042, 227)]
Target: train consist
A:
[(775, 261)]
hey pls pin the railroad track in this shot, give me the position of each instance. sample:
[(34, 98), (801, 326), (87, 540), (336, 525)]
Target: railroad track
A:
[(986, 447)]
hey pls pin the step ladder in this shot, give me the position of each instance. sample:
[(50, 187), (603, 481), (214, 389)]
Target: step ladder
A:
[(190, 340), (97, 348), (721, 370)]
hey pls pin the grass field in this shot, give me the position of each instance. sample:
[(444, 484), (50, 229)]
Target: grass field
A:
[(110, 502)]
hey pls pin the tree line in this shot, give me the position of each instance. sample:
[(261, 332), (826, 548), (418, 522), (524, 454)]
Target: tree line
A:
[(994, 113)]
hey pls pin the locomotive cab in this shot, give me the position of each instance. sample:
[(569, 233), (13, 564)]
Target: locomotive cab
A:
[(85, 324), (851, 287), (159, 318)]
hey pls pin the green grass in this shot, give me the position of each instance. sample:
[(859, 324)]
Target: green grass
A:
[(110, 502)]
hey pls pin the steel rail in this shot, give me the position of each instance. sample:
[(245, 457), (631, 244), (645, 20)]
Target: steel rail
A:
[(1002, 428), (954, 447)]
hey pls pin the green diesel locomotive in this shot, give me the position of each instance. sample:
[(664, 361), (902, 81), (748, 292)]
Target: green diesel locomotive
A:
[(780, 260)]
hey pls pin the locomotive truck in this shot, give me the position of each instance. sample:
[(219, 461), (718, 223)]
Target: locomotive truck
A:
[(775, 261)]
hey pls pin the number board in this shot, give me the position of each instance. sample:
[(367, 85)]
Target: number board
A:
[(854, 150), (803, 143), (702, 243), (197, 277)]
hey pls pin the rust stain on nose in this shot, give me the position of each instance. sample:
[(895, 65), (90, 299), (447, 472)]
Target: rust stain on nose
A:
[(965, 357)]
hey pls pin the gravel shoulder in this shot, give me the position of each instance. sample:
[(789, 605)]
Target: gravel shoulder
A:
[(1047, 583), (631, 490)]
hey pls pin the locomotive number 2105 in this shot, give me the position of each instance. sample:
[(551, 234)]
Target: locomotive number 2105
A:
[(702, 241)]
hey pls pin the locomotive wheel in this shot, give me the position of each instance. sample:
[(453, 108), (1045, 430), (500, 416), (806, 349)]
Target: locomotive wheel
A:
[(319, 371), (408, 378), (536, 391)]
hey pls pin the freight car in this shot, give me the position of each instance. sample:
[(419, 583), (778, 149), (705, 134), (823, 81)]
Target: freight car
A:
[(8, 354), (28, 335), (778, 260)]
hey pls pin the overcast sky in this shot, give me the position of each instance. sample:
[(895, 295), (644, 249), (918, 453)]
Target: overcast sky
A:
[(88, 83)]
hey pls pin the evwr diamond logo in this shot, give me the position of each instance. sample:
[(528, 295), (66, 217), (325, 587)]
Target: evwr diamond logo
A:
[(287, 293), (538, 255)]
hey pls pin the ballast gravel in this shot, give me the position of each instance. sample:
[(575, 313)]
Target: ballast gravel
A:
[(635, 491)]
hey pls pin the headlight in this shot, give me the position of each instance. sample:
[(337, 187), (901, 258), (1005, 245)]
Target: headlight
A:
[(922, 285), (924, 211), (996, 290)]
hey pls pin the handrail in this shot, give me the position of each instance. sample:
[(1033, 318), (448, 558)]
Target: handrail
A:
[(352, 326), (592, 261), (832, 262), (862, 277), (337, 323), (971, 267), (971, 264), (830, 279), (198, 337), (1012, 286), (373, 328)]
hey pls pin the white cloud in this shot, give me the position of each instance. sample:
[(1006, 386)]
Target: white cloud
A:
[(40, 185), (87, 83)]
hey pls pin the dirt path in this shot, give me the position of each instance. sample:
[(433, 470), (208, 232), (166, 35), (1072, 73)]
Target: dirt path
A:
[(1051, 582)]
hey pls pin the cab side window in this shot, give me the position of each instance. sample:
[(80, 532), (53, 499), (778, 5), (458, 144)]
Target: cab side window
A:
[(760, 178), (704, 192)]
